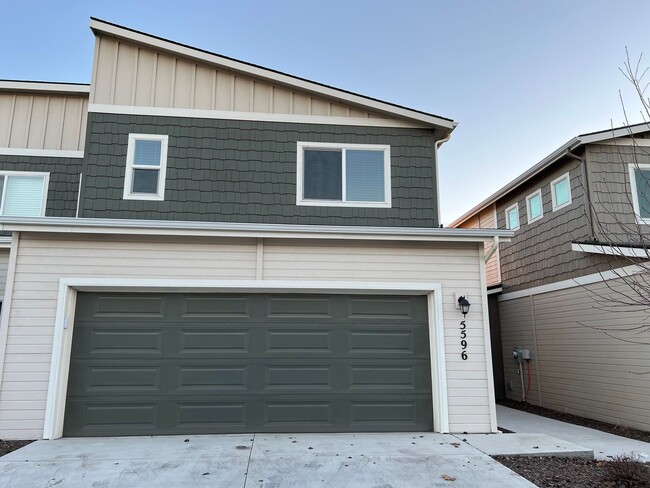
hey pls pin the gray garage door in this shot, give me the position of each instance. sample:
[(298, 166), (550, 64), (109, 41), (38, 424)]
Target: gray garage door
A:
[(196, 363)]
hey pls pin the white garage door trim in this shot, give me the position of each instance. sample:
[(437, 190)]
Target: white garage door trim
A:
[(68, 288)]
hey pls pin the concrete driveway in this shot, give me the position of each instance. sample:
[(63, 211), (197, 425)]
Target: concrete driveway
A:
[(262, 460)]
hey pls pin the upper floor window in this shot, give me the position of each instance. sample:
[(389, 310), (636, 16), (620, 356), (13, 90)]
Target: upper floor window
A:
[(344, 175), (534, 206), (561, 192), (512, 217), (146, 164), (24, 194), (640, 183)]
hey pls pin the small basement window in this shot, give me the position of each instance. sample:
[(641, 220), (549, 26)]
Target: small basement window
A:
[(512, 217), (24, 194), (561, 192), (349, 175), (534, 206), (640, 183), (146, 165)]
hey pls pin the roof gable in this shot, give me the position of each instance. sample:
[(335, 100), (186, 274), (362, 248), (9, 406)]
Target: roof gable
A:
[(132, 68)]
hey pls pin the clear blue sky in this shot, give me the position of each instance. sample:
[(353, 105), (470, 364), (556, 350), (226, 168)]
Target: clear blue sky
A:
[(522, 77)]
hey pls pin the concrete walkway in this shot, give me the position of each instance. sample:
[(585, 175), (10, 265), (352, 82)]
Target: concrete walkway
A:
[(262, 461), (604, 445)]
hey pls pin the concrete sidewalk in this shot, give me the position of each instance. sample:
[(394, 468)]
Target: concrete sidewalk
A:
[(417, 460), (604, 445)]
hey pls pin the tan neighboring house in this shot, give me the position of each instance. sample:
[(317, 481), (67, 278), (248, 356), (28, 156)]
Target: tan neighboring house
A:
[(202, 245), (581, 219)]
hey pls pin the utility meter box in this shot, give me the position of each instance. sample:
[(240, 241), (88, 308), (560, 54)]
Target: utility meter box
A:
[(520, 355)]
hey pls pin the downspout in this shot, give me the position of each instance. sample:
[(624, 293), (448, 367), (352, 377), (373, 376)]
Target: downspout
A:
[(585, 179), (436, 146)]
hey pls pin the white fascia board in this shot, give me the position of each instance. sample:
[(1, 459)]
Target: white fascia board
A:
[(575, 282), (42, 86), (614, 133), (49, 153), (270, 75), (254, 116), (629, 252), (218, 229)]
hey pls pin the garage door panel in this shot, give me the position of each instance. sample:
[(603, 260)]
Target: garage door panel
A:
[(249, 363)]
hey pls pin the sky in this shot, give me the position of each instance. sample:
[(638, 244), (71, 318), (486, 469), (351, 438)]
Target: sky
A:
[(520, 77)]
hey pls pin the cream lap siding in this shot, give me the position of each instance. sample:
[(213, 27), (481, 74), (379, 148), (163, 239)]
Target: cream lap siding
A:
[(42, 121), (4, 264), (582, 370), (43, 261), (127, 74)]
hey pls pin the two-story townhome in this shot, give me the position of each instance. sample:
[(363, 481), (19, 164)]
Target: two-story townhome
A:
[(566, 287), (201, 245)]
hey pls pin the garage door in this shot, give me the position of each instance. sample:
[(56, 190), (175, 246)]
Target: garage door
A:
[(176, 363)]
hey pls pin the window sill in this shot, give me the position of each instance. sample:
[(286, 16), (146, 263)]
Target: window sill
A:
[(536, 219), (560, 207), (158, 198), (333, 203)]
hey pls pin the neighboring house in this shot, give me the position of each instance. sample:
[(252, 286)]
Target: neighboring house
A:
[(576, 215), (201, 245)]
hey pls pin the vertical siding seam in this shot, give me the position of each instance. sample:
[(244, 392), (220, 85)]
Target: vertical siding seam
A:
[(232, 92), (272, 99), (213, 95), (251, 97), (136, 60), (28, 124), (154, 78), (46, 119), (93, 79), (4, 319), (291, 95), (114, 74), (63, 113), (193, 87), (309, 105), (532, 318), (83, 123), (172, 89)]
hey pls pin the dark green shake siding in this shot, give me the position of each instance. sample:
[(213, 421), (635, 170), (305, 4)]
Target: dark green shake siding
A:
[(145, 364), (64, 180), (243, 171)]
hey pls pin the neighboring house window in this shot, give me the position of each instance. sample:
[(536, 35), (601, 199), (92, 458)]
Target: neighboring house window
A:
[(344, 175), (24, 194), (561, 192), (640, 182), (534, 206), (512, 217), (146, 164)]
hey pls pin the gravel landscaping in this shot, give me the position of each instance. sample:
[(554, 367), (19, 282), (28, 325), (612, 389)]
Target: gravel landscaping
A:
[(7, 446), (551, 472)]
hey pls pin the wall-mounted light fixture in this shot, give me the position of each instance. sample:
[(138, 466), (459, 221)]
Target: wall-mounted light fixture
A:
[(464, 305)]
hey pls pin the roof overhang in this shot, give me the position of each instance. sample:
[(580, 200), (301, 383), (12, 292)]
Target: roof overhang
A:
[(612, 250), (218, 229), (575, 143), (101, 27), (81, 89)]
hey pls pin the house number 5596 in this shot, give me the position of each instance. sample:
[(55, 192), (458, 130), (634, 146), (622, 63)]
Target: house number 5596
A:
[(463, 339)]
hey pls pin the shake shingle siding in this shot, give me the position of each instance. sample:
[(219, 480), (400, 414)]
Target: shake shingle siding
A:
[(540, 253), (245, 171), (64, 180)]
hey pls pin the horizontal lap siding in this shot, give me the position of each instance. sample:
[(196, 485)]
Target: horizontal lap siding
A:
[(4, 264), (42, 262)]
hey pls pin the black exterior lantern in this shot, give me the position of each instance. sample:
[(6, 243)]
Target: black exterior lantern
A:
[(464, 305)]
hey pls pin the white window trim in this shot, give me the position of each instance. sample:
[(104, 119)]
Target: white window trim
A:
[(46, 185), (541, 205), (566, 177), (507, 210), (162, 171), (300, 200), (635, 196)]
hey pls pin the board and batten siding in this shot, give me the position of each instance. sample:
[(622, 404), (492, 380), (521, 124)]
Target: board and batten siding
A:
[(43, 121), (128, 74), (582, 370), (42, 261), (486, 219)]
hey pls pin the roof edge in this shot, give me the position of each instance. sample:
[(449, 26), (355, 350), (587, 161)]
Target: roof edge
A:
[(45, 86), (108, 28)]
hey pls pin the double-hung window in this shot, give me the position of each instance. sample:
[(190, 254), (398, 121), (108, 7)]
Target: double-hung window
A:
[(24, 194), (512, 217), (561, 192), (534, 207), (343, 175), (146, 165), (640, 183)]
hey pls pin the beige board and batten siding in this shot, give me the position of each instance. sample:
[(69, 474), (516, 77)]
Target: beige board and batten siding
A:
[(43, 120), (42, 261), (611, 193), (589, 364), (128, 74)]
